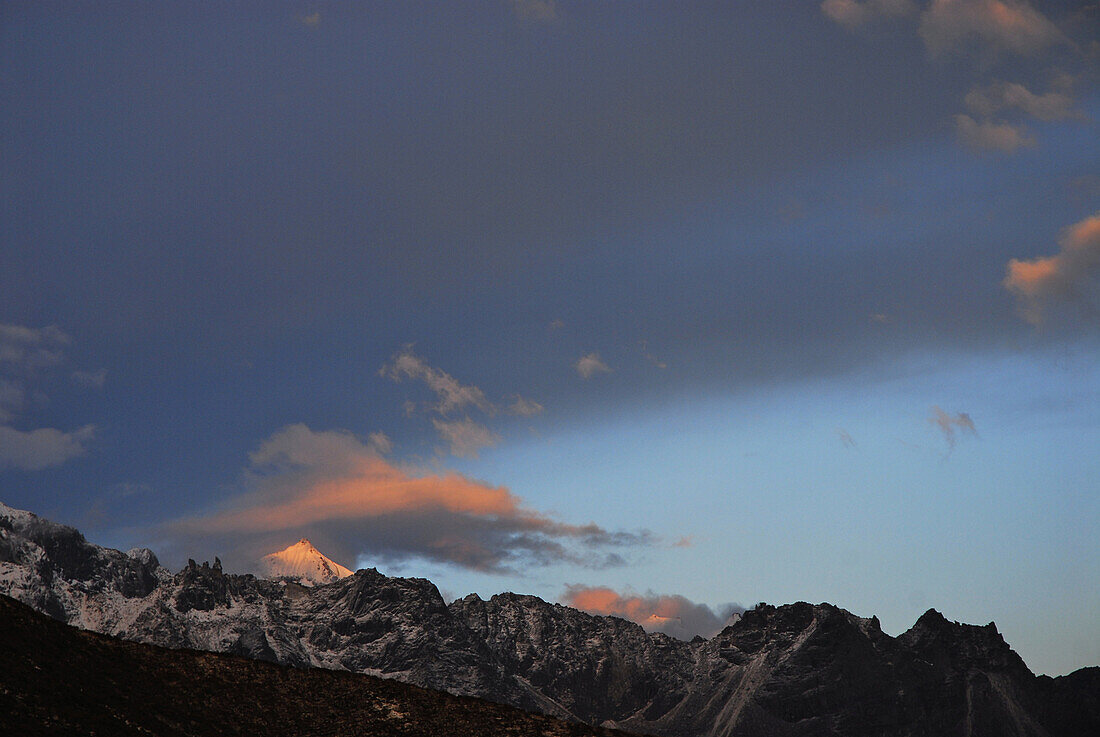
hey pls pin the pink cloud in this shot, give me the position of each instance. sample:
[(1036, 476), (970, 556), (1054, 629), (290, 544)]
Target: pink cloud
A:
[(671, 614)]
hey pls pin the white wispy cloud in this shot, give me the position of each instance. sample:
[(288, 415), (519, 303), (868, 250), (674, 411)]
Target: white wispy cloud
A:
[(465, 437), (590, 365), (34, 450), (524, 407), (452, 395)]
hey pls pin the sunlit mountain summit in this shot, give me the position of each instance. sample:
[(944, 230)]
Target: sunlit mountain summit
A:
[(305, 563)]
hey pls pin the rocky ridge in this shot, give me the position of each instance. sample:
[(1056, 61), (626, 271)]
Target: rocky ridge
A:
[(797, 670)]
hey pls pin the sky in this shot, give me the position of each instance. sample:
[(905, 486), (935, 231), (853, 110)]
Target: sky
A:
[(656, 309)]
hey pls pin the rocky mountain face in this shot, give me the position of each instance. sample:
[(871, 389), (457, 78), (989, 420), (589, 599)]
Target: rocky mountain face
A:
[(797, 670), (57, 680)]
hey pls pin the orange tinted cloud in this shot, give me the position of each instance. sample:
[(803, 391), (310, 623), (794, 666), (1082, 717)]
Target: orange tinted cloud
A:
[(372, 488), (333, 485), (1067, 276), (672, 614)]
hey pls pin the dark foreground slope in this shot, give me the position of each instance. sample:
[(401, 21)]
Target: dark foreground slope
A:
[(58, 680)]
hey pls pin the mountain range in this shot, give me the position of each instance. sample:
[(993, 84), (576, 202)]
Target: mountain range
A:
[(796, 670)]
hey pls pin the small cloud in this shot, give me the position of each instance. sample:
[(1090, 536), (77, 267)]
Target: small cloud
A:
[(991, 26), (853, 14), (948, 424), (524, 407), (1068, 276), (845, 439), (671, 614), (42, 448), (452, 394), (535, 11), (991, 136), (684, 542), (590, 365), (90, 379), (312, 20), (992, 99), (465, 437)]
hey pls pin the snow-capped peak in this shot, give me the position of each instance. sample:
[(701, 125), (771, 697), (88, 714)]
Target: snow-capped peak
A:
[(303, 562)]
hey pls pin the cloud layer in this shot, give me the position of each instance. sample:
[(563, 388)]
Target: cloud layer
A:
[(672, 614), (334, 488)]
